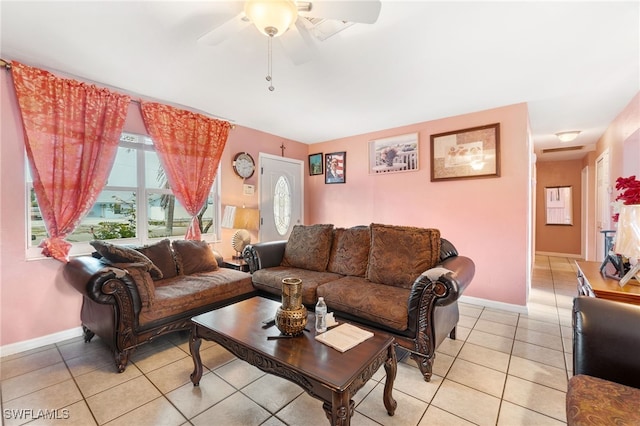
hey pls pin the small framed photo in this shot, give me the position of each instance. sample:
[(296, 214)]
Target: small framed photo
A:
[(336, 167), (315, 164), (466, 154), (394, 154)]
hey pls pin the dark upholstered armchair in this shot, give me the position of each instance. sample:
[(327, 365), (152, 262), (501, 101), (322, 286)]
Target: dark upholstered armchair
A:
[(605, 388)]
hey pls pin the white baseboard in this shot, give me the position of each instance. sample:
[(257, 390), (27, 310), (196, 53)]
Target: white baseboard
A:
[(27, 345), (519, 309)]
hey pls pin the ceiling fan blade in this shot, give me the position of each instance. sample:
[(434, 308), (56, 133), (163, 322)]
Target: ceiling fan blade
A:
[(226, 30), (297, 44), (365, 12)]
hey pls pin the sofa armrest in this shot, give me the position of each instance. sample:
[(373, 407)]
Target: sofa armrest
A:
[(105, 284), (441, 285), (264, 255), (606, 340), (462, 269)]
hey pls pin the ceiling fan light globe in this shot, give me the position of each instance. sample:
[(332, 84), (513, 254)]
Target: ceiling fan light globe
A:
[(269, 14)]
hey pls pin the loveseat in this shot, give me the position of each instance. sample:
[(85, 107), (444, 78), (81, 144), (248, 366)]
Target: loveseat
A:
[(133, 295), (401, 280), (605, 388)]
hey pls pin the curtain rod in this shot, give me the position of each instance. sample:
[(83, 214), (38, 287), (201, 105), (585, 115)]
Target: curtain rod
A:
[(134, 97)]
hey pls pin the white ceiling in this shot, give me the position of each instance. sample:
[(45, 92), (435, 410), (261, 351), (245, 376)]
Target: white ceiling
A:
[(575, 63)]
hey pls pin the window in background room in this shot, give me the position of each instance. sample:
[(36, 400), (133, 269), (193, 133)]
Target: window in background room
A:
[(135, 207)]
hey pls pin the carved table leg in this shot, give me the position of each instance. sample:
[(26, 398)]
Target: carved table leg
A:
[(341, 409), (194, 348), (391, 367)]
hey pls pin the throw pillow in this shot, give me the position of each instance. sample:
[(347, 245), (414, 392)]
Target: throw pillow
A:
[(308, 247), (194, 256), (120, 254), (350, 251), (399, 254), (161, 255)]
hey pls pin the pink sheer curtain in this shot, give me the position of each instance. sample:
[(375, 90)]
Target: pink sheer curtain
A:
[(71, 133), (189, 146)]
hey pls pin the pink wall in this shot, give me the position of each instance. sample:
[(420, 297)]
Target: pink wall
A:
[(621, 133), (35, 299), (486, 219), (253, 142)]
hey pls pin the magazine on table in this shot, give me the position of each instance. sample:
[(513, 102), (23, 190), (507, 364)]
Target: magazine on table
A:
[(344, 337)]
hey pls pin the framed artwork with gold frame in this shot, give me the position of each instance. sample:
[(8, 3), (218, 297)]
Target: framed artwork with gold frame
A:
[(466, 154)]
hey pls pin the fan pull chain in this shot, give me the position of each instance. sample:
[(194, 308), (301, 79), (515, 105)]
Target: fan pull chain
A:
[(270, 64)]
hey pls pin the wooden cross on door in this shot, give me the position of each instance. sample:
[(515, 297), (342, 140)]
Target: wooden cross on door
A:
[(282, 147)]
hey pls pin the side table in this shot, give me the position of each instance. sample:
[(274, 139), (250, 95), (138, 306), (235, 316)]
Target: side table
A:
[(237, 264), (592, 282)]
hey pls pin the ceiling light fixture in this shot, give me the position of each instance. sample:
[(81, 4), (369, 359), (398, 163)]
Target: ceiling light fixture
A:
[(568, 136), (272, 18)]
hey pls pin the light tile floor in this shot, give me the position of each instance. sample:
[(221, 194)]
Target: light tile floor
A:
[(504, 369)]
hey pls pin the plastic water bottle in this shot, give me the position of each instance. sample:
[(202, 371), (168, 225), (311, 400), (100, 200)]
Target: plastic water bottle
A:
[(321, 315)]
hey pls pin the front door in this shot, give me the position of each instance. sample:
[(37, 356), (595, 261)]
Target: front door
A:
[(281, 196)]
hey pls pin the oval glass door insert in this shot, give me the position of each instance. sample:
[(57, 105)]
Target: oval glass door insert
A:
[(282, 205)]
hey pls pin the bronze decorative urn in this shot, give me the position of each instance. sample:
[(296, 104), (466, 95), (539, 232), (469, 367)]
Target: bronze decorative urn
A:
[(291, 317)]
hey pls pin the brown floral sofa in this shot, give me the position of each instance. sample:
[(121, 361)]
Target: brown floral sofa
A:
[(398, 279), (132, 295)]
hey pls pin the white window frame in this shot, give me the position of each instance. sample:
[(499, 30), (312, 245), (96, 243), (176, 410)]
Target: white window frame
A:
[(33, 252)]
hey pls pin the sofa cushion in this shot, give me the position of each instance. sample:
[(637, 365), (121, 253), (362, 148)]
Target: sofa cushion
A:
[(350, 251), (308, 247), (594, 401), (380, 304), (184, 293), (399, 254), (270, 280), (193, 256), (116, 253), (161, 255)]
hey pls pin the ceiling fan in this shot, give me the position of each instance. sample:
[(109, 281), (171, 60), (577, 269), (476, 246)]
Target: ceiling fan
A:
[(295, 22)]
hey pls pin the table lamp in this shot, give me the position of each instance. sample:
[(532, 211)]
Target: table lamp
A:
[(628, 239), (243, 219)]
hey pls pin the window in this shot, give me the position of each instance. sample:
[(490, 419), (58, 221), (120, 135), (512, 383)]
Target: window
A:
[(282, 205), (135, 207)]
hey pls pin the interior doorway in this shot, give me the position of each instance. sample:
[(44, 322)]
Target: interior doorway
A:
[(603, 199), (281, 196), (586, 199)]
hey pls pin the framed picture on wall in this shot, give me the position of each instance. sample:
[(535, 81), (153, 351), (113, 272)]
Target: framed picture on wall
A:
[(315, 164), (466, 154), (394, 154), (336, 167)]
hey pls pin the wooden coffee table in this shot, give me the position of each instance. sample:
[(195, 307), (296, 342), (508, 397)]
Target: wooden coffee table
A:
[(323, 372)]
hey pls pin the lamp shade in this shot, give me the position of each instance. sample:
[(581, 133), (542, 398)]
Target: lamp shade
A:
[(271, 17), (246, 218), (628, 233)]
